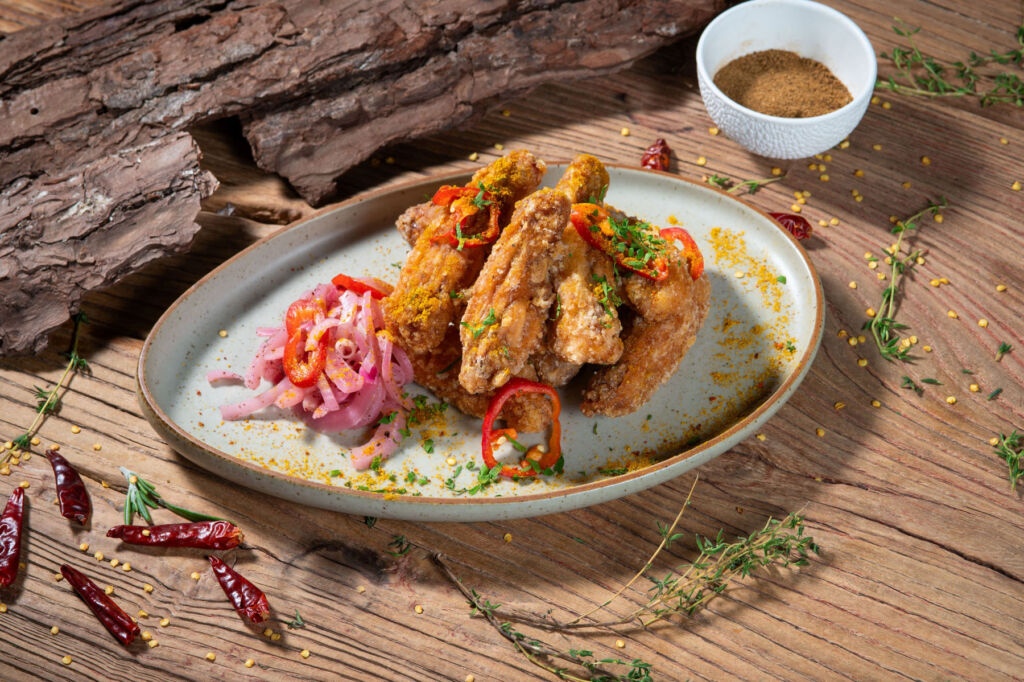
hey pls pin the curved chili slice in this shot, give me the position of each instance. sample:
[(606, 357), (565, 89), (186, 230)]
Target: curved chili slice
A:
[(471, 200), (299, 313), (377, 288), (690, 249), (248, 600), (10, 537), (71, 493), (103, 607), (549, 458), (619, 240), (301, 367)]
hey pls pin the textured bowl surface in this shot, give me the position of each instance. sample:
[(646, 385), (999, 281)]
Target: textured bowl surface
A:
[(811, 30), (750, 355)]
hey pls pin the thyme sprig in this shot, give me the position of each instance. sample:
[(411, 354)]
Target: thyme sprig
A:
[(925, 76), (141, 496), (884, 326), (682, 591), (731, 186), (1011, 450), (48, 402)]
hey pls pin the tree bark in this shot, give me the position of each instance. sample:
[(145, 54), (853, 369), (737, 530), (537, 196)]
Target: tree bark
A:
[(98, 174)]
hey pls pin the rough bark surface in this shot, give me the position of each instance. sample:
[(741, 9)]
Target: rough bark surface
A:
[(98, 174)]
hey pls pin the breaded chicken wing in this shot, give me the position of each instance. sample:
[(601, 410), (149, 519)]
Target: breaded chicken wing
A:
[(421, 308), (653, 347), (507, 309)]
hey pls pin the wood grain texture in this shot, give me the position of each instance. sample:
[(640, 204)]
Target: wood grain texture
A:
[(922, 573)]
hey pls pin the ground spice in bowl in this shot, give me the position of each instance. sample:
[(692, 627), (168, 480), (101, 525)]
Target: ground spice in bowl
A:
[(782, 83)]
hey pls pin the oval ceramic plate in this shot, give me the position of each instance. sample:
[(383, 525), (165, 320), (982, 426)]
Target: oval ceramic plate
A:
[(757, 344)]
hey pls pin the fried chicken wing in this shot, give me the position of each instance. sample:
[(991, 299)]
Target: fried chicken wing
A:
[(653, 348), (421, 308), (439, 371), (506, 311), (418, 218)]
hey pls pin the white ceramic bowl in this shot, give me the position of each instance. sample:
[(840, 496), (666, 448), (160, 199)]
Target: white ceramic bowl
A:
[(811, 30)]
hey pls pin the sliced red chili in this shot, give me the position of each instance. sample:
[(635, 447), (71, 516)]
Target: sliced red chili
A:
[(299, 313), (377, 288), (465, 203), (10, 537), (301, 367), (620, 240), (248, 600), (103, 607), (71, 493), (796, 225), (656, 156), (528, 467), (690, 249), (202, 534)]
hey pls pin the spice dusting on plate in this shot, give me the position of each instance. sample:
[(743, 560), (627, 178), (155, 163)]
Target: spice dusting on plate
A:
[(782, 83)]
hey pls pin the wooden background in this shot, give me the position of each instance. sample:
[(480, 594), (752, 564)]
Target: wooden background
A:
[(922, 573)]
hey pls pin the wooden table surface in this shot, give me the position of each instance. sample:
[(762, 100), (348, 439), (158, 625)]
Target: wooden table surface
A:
[(922, 570)]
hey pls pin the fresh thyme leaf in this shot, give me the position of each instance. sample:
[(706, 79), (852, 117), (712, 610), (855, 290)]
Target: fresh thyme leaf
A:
[(1004, 348), (296, 622), (375, 463), (994, 394), (612, 472), (606, 295), (781, 279), (909, 383), (141, 496), (1011, 449), (428, 445), (966, 371), (401, 546), (934, 382), (370, 521), (389, 417)]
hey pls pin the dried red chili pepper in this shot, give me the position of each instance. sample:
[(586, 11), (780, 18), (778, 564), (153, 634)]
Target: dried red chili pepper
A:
[(110, 614), (248, 600), (10, 537), (796, 225), (202, 534), (71, 492), (656, 156)]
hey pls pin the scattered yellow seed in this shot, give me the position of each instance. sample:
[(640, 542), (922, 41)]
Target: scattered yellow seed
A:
[(97, 447), (57, 577), (506, 112), (761, 437), (98, 556), (983, 322), (844, 144), (147, 587), (5, 471), (913, 339), (822, 223), (418, 609), (974, 388), (104, 484), (740, 274), (853, 285), (862, 362), (852, 341), (210, 656), (951, 400), (713, 130), (795, 208), (54, 630), (873, 264), (195, 575), (474, 156), (66, 660), (812, 166), (267, 632), (870, 312), (3, 608), (146, 532), (993, 441), (55, 446), (23, 484), (842, 332), (876, 100), (806, 193), (146, 635), (1003, 140), (919, 260), (164, 622), (624, 132), (153, 644), (619, 643), (926, 161), (499, 146), (881, 275), (859, 198), (952, 314), (823, 177), (1015, 186), (934, 282), (833, 221), (360, 589), (84, 547), (450, 461), (827, 157), (877, 147), (875, 403), (222, 333), (389, 160), (304, 653), (507, 537), (800, 200), (276, 636), (109, 589), (249, 663), (906, 184), (114, 563), (888, 260), (926, 349), (858, 173), (839, 405), (1000, 287), (776, 170), (862, 338), (35, 440), (702, 161), (820, 432), (143, 613), (943, 280)]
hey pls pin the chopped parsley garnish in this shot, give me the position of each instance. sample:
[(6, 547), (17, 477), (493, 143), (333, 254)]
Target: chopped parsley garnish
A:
[(428, 445), (478, 329)]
